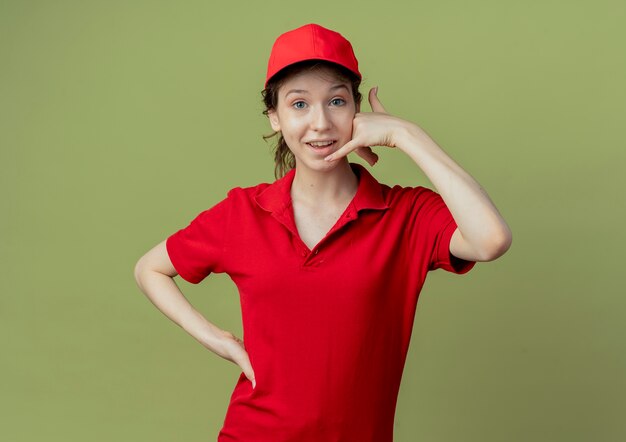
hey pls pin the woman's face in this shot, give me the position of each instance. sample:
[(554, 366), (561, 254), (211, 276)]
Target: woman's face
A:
[(313, 107)]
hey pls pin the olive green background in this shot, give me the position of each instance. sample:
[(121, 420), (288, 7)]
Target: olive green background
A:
[(122, 120)]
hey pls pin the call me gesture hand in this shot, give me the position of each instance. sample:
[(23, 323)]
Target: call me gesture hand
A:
[(376, 128), (482, 234)]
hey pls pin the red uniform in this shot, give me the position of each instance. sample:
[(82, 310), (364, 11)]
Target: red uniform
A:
[(327, 330)]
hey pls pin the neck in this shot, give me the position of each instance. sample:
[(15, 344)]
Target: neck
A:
[(324, 188)]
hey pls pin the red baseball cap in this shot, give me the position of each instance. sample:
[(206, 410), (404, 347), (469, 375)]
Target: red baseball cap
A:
[(309, 42)]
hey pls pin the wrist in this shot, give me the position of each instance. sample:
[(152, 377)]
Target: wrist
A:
[(412, 135)]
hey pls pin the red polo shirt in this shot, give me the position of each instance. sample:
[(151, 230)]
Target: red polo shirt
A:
[(327, 330)]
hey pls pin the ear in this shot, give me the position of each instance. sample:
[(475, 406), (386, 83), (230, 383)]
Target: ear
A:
[(273, 120)]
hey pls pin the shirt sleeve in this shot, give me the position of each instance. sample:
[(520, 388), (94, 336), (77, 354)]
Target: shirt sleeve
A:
[(197, 250), (432, 226)]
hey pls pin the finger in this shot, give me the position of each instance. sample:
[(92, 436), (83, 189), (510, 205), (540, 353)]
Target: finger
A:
[(253, 380), (250, 376), (343, 150), (248, 371), (375, 103), (243, 360), (367, 154)]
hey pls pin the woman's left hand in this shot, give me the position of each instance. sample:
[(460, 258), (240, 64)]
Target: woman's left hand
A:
[(376, 128)]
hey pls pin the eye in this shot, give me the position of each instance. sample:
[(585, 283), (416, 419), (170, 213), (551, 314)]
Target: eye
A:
[(298, 102), (340, 99)]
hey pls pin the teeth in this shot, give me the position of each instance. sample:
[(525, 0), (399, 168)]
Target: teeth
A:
[(321, 144)]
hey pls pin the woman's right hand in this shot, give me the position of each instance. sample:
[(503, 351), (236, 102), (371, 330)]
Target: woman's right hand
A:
[(233, 349)]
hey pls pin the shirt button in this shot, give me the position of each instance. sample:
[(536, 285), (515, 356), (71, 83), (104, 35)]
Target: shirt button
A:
[(316, 252)]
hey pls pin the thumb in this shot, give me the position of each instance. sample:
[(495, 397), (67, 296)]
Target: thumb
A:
[(375, 103)]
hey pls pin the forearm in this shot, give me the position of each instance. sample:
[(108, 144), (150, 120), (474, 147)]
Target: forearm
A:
[(477, 217), (163, 292)]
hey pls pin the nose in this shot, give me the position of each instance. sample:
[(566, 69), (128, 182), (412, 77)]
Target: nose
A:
[(320, 120)]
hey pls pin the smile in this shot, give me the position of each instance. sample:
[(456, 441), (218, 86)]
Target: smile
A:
[(321, 144), (324, 149)]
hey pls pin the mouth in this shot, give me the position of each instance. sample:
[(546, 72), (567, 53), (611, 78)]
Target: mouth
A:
[(324, 149)]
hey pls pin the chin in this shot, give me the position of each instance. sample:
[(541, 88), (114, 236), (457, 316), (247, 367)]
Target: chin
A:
[(319, 164)]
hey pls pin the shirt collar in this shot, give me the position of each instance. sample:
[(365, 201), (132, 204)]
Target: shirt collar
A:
[(277, 196)]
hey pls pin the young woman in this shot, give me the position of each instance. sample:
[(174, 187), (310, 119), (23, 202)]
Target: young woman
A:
[(329, 263)]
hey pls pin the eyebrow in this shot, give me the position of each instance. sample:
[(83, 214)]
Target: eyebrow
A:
[(302, 91)]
